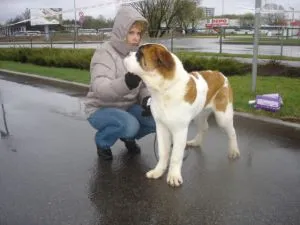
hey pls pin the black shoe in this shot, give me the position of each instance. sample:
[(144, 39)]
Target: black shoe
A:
[(131, 146), (104, 153)]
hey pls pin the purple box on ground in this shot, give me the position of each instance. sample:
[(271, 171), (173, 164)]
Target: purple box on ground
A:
[(270, 102)]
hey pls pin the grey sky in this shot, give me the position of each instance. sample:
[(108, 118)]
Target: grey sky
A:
[(11, 8)]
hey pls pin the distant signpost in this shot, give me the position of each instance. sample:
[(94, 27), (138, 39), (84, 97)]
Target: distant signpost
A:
[(81, 17)]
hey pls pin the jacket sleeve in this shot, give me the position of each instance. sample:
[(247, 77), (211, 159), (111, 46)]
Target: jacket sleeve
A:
[(144, 92), (104, 81)]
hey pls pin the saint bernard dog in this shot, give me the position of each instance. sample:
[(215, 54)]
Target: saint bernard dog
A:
[(177, 98)]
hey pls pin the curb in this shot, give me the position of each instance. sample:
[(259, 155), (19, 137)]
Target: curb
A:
[(27, 77), (266, 124), (275, 126)]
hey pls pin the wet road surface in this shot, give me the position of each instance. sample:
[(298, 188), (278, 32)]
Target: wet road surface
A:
[(50, 174), (187, 44)]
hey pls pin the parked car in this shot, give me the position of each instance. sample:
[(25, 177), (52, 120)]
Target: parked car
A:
[(27, 33), (244, 31), (20, 33)]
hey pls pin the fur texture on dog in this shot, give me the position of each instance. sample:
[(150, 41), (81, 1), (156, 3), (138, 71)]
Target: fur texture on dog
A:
[(178, 97)]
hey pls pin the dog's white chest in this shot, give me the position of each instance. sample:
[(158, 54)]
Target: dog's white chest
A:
[(171, 113)]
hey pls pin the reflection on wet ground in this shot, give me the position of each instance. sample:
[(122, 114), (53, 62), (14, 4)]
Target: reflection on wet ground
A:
[(54, 176)]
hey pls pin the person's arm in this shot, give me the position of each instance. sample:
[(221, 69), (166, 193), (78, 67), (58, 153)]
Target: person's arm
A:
[(103, 77), (145, 100), (144, 92)]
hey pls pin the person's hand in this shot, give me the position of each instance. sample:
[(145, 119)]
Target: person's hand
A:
[(132, 81), (146, 106)]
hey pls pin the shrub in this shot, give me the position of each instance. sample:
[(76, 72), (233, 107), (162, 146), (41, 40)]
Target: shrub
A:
[(72, 58), (276, 68), (227, 66), (80, 59)]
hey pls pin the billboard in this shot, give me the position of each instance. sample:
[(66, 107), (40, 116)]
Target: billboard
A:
[(45, 16), (218, 22)]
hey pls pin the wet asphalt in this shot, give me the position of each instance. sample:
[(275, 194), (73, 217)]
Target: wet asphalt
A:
[(187, 44), (50, 173)]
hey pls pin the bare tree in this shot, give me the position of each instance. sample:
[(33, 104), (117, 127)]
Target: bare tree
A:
[(277, 18), (162, 14), (155, 11), (189, 15), (26, 14), (23, 16)]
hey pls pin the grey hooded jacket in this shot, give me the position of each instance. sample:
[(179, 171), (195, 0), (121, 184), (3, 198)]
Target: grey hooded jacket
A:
[(107, 70)]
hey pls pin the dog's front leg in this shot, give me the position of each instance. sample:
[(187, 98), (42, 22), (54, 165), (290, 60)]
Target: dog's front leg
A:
[(164, 144), (179, 142)]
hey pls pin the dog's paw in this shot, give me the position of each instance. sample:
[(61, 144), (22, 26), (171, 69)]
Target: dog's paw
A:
[(154, 174), (174, 179), (234, 154), (193, 143)]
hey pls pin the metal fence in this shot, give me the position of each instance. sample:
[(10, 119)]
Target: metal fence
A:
[(283, 41)]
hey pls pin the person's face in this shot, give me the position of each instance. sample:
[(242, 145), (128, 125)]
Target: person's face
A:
[(134, 35)]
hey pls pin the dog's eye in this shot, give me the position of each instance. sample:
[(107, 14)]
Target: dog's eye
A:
[(159, 62), (144, 62)]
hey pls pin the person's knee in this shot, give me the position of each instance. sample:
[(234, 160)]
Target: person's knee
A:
[(116, 121), (130, 127)]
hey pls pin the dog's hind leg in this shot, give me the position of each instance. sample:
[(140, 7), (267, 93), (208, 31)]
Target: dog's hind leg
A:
[(225, 120), (202, 125), (164, 145)]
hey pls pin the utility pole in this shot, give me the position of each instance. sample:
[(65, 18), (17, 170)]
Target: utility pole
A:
[(222, 7), (255, 44), (293, 15), (75, 31)]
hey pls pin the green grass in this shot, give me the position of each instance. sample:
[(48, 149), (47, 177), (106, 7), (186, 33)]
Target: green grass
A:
[(271, 57), (69, 74), (287, 87)]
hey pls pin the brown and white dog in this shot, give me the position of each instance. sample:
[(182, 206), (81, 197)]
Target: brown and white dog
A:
[(177, 98)]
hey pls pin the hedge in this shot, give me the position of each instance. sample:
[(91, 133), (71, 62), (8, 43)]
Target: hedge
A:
[(80, 59)]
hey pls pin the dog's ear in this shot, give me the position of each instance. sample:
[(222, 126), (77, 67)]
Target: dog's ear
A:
[(164, 58)]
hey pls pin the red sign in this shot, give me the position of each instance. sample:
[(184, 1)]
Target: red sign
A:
[(296, 23), (218, 22)]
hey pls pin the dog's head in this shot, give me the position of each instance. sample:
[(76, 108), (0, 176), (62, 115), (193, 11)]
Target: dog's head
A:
[(153, 63)]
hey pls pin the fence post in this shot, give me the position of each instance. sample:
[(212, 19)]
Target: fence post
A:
[(51, 40), (221, 34), (255, 43), (31, 41), (281, 42), (171, 40), (74, 38)]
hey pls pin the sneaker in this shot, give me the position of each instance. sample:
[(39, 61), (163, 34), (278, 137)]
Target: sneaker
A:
[(104, 153), (131, 146)]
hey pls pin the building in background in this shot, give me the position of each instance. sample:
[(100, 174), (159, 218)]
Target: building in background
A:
[(208, 12), (18, 29)]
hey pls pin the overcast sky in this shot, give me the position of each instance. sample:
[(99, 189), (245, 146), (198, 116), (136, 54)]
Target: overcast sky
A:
[(12, 8)]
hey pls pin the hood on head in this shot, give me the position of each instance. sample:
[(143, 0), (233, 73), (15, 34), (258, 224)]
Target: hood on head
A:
[(124, 19)]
